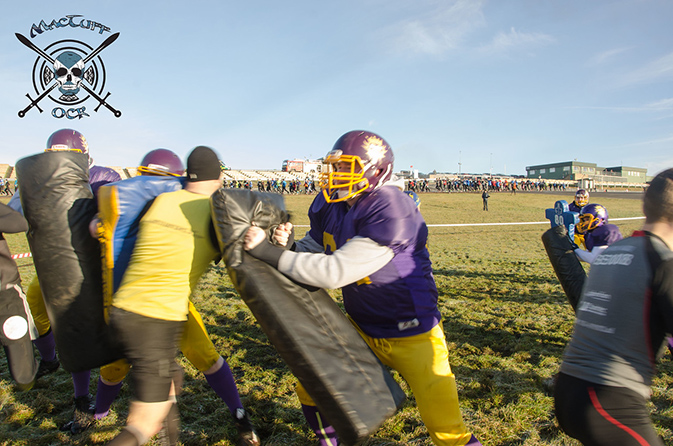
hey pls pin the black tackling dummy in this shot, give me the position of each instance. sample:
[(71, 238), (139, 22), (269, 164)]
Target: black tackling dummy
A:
[(59, 205), (311, 333)]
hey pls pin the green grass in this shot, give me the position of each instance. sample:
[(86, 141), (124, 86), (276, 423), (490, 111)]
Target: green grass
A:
[(505, 316)]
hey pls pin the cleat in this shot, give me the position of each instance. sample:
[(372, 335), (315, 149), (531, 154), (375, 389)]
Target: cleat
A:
[(246, 432), (82, 418), (47, 367)]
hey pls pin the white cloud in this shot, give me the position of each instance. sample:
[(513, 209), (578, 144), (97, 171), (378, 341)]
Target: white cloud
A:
[(606, 56), (448, 25), (660, 69), (438, 31), (662, 105), (514, 40)]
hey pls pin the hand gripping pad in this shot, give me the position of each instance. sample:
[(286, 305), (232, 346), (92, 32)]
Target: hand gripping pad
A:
[(565, 263), (58, 203), (352, 389)]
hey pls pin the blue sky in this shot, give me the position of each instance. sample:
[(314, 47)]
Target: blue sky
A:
[(452, 85)]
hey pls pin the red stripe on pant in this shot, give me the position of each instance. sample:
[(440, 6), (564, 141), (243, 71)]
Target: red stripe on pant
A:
[(604, 414)]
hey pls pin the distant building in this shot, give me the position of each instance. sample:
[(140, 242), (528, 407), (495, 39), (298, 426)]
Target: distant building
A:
[(406, 174), (305, 166), (581, 171), (634, 174)]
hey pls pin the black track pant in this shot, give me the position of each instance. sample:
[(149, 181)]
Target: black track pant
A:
[(600, 415)]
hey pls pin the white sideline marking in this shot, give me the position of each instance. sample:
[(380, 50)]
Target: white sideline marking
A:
[(27, 254), (498, 224)]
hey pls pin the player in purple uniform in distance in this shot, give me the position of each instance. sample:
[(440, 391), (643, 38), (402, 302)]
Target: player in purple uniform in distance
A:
[(581, 200), (369, 239), (597, 232), (625, 312)]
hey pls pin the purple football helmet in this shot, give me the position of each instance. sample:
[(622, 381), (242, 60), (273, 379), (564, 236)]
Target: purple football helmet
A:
[(366, 162), (161, 162), (591, 216), (67, 140)]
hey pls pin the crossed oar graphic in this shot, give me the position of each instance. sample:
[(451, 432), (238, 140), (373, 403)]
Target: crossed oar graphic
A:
[(101, 101)]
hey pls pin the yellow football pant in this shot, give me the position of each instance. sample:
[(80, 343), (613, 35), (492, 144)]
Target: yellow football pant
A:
[(37, 307), (423, 361)]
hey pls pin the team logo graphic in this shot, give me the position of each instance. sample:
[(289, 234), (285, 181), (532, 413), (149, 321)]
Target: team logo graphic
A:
[(70, 73), (375, 148)]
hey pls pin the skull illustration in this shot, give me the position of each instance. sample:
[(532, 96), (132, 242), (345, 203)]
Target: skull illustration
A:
[(69, 69)]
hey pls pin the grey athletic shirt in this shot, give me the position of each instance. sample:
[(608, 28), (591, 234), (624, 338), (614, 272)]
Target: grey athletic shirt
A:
[(624, 315)]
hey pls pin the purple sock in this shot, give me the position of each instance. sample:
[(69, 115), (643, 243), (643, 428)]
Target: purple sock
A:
[(105, 395), (473, 441), (81, 382), (670, 344), (323, 430), (224, 385), (46, 345)]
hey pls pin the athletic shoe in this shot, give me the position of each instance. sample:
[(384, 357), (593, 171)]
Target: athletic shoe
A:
[(246, 432), (83, 416), (47, 367)]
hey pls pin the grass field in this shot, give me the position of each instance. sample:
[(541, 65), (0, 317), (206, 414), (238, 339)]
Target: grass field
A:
[(505, 316)]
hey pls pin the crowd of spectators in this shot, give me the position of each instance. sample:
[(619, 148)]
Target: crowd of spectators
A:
[(470, 184), (474, 184), (281, 186)]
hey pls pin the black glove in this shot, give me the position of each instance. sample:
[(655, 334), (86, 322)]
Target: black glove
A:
[(267, 252)]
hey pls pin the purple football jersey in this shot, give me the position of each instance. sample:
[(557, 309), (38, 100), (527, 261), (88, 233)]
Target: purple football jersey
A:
[(399, 299), (573, 207), (604, 235)]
